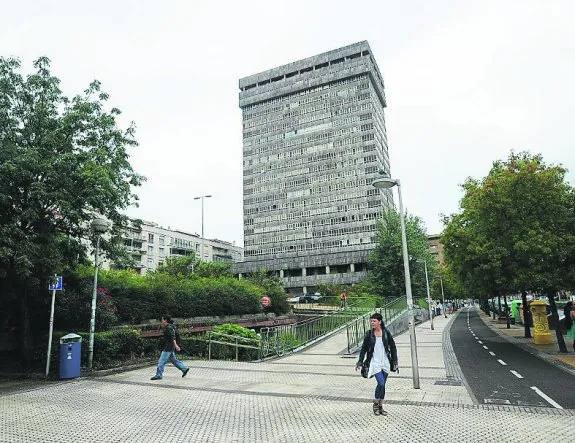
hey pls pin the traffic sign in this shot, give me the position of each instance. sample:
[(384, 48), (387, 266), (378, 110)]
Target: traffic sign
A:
[(56, 284)]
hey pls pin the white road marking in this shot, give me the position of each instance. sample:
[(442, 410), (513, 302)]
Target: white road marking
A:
[(502, 362), (476, 338), (546, 397), (485, 347), (516, 374), (492, 353), (480, 342)]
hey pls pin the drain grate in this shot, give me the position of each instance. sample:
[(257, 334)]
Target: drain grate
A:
[(448, 382)]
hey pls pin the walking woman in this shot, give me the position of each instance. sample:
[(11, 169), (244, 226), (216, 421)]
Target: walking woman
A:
[(381, 352)]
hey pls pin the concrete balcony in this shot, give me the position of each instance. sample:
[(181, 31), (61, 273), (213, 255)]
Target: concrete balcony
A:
[(347, 278)]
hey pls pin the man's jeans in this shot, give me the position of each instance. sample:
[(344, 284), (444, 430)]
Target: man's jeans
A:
[(164, 357)]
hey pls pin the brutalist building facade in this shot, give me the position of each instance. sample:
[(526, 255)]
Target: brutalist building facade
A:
[(314, 139)]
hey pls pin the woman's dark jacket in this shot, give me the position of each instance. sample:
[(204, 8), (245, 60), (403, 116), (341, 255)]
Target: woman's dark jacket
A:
[(369, 345)]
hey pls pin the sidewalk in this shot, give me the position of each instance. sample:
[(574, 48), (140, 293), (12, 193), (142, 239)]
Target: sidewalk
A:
[(311, 396), (550, 353)]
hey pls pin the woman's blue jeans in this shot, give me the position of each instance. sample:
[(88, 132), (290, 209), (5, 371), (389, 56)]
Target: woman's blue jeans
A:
[(381, 378), (164, 357)]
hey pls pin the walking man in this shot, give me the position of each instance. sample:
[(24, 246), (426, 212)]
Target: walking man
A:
[(169, 347)]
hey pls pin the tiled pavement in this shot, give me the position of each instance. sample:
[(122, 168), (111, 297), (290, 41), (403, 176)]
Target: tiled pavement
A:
[(311, 396)]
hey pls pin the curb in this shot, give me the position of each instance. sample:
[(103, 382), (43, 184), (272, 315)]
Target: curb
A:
[(539, 354)]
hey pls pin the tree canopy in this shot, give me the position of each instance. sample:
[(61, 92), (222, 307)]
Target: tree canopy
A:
[(386, 276), (62, 162), (515, 231)]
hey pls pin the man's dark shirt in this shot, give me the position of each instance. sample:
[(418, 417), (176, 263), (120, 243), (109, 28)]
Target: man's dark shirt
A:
[(168, 338)]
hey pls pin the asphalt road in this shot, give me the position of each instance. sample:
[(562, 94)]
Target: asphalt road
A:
[(499, 372)]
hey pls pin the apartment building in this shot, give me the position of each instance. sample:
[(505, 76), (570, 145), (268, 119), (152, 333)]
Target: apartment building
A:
[(314, 139), (149, 244), (436, 247)]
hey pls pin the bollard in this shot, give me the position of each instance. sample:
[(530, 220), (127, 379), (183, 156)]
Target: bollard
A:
[(541, 332)]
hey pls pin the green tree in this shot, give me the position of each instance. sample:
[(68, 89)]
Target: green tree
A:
[(181, 267), (273, 286), (386, 276), (517, 229), (62, 160)]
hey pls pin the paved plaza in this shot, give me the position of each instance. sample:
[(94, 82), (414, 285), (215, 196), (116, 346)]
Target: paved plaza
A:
[(311, 396)]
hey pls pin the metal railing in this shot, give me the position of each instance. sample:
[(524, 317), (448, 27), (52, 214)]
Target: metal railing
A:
[(280, 339), (233, 341), (357, 329)]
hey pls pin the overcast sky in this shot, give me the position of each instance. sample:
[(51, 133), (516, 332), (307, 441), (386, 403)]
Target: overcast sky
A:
[(466, 82)]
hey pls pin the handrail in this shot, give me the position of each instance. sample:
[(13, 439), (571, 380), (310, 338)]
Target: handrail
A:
[(279, 339), (357, 329), (237, 339)]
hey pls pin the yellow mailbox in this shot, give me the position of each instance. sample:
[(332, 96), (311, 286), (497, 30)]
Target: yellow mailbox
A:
[(541, 333)]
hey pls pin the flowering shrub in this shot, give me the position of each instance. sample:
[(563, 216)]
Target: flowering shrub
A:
[(106, 310)]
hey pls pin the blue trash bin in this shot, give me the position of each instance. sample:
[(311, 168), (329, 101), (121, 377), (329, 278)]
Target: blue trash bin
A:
[(70, 353)]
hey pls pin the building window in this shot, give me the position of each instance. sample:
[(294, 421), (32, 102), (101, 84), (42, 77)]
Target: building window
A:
[(151, 238), (150, 250), (161, 251), (150, 263), (161, 241)]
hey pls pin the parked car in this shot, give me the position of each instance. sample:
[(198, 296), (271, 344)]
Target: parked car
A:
[(313, 298), (305, 298), (297, 299)]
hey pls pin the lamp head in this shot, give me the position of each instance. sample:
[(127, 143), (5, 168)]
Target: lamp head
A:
[(384, 181), (99, 225)]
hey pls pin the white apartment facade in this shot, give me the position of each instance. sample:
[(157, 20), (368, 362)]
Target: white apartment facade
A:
[(150, 244)]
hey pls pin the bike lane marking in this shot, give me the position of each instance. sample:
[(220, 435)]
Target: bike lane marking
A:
[(515, 373), (546, 397)]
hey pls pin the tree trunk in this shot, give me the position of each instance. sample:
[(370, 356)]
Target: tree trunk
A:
[(555, 316), (486, 307), (499, 305), (494, 310), (25, 329), (506, 306), (526, 317)]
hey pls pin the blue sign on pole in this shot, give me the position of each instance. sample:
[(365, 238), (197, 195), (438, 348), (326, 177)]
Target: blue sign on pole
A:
[(57, 286)]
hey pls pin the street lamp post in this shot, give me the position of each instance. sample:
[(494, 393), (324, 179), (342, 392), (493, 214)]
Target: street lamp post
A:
[(428, 295), (99, 226), (442, 296), (202, 246), (385, 182)]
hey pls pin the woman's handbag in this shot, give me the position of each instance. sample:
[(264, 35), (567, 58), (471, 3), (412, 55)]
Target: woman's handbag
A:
[(365, 369)]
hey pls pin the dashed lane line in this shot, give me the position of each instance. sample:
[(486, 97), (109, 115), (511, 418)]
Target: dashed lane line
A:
[(502, 362), (515, 373)]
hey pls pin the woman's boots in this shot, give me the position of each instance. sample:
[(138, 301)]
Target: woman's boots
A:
[(381, 411)]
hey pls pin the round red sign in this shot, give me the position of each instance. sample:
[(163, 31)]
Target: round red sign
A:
[(265, 301)]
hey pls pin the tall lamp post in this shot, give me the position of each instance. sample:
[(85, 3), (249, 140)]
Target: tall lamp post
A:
[(428, 294), (202, 247), (99, 226), (442, 296), (386, 182)]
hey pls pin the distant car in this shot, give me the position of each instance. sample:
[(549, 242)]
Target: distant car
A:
[(305, 298), (297, 299), (313, 298)]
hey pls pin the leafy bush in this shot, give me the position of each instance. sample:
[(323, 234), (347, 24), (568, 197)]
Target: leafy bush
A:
[(290, 341), (236, 330)]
